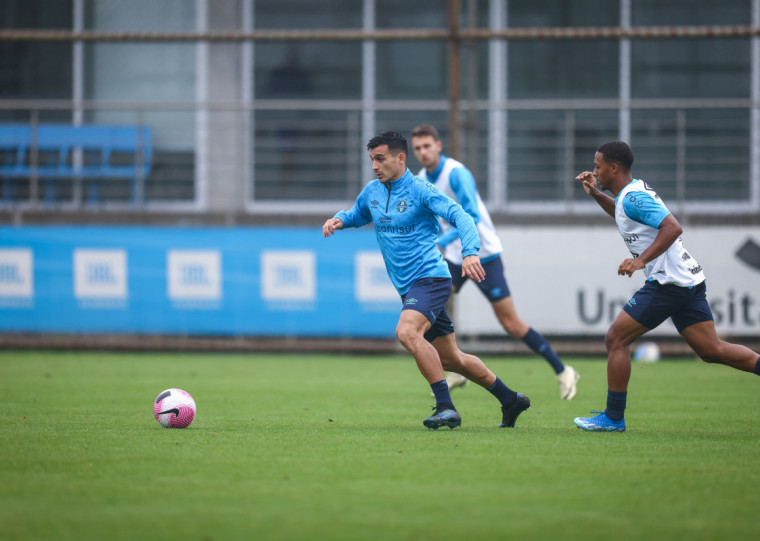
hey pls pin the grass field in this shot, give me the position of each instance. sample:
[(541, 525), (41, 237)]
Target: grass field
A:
[(321, 447)]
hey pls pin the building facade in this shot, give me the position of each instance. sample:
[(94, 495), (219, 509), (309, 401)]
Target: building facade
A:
[(271, 126)]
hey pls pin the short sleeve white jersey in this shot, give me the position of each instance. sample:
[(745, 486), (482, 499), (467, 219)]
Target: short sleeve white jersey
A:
[(639, 211), (465, 193)]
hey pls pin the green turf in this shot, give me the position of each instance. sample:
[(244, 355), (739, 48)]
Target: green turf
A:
[(323, 447)]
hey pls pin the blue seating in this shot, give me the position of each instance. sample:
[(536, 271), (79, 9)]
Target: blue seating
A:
[(56, 145)]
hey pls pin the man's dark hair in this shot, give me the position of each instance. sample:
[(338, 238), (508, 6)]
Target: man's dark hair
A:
[(617, 152), (395, 141), (426, 129)]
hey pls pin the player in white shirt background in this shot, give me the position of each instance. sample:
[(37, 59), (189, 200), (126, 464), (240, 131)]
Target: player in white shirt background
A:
[(456, 181)]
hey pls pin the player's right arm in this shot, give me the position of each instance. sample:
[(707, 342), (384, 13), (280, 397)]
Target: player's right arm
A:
[(588, 182), (330, 226), (357, 216)]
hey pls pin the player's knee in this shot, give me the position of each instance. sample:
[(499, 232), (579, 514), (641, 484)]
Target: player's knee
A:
[(613, 340), (400, 333), (406, 334), (609, 339)]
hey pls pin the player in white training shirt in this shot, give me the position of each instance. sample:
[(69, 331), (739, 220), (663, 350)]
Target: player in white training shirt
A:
[(456, 181), (674, 288)]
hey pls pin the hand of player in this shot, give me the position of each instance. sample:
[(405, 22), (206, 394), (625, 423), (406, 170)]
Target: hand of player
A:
[(629, 266), (589, 182), (472, 268), (330, 226)]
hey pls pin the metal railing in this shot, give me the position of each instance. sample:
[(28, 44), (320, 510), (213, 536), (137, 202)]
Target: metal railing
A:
[(697, 153)]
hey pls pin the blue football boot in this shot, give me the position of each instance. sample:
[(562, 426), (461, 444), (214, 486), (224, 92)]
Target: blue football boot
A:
[(443, 416), (600, 423)]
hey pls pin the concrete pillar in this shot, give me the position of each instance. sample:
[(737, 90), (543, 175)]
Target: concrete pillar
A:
[(225, 190)]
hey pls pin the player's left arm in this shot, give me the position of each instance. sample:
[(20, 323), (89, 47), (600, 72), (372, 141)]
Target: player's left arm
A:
[(668, 232), (452, 212), (462, 183), (645, 209)]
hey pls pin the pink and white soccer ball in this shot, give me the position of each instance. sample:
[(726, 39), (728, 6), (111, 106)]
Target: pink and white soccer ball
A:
[(174, 408)]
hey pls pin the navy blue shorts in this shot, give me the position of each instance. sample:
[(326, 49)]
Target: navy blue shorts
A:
[(655, 302), (429, 296), (494, 286)]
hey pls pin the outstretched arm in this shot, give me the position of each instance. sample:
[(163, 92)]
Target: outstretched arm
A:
[(357, 216), (330, 226), (589, 186)]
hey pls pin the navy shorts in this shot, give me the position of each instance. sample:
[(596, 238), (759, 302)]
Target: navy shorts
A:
[(429, 296), (655, 302), (494, 286)]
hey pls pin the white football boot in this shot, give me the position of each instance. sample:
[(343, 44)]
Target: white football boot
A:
[(568, 379), (455, 380)]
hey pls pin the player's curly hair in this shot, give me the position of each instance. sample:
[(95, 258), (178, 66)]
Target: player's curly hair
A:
[(395, 141), (617, 152)]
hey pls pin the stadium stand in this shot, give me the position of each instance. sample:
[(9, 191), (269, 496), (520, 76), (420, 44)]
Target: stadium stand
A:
[(50, 152)]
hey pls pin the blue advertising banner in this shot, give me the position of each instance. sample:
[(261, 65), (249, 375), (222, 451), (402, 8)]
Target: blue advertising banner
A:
[(208, 281)]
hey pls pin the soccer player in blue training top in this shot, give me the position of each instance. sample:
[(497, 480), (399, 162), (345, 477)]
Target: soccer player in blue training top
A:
[(674, 287), (405, 211), (456, 181)]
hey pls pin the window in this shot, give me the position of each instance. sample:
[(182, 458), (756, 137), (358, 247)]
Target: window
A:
[(35, 69), (543, 69)]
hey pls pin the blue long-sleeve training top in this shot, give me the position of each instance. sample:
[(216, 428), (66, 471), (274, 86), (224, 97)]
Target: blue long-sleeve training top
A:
[(406, 226)]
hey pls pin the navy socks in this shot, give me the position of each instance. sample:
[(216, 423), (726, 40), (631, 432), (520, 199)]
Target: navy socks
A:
[(541, 346), (504, 394), (616, 400), (616, 404), (442, 396)]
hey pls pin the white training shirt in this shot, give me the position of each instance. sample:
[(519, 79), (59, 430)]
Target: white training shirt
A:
[(639, 211), (456, 181)]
